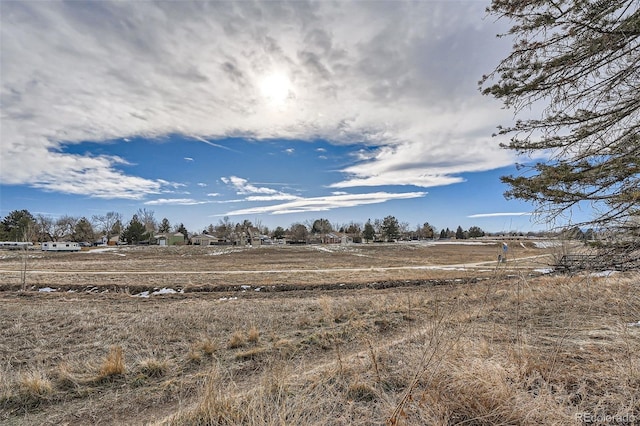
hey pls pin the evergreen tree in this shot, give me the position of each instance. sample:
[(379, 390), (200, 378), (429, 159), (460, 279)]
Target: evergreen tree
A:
[(321, 227), (577, 62), (368, 233), (459, 233), (165, 226), (427, 231), (279, 233), (390, 228), (83, 231), (180, 228), (18, 225), (134, 232)]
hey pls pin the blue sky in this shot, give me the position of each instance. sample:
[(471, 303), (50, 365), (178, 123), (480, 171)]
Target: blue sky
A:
[(276, 112)]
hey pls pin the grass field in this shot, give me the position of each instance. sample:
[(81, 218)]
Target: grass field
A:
[(356, 335)]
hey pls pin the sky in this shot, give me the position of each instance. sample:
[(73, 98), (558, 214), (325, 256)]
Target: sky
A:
[(274, 112)]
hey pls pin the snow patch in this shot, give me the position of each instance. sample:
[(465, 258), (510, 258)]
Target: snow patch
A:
[(111, 250), (47, 290), (219, 252), (158, 292), (164, 291), (543, 270), (546, 244), (228, 298)]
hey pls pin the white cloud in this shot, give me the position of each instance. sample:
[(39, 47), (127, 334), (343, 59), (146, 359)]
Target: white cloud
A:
[(398, 76), (242, 186), (188, 159), (213, 194), (500, 214), (174, 201), (215, 145), (315, 204), (202, 184)]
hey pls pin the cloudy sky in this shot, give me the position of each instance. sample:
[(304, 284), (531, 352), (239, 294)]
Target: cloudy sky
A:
[(267, 111)]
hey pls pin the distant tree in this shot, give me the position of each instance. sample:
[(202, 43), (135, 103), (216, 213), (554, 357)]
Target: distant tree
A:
[(279, 233), (575, 233), (577, 63), (369, 233), (148, 220), (117, 227), (443, 234), (224, 229), (321, 226), (377, 227), (83, 231), (63, 227), (299, 232), (44, 227), (134, 232), (590, 234), (459, 233), (427, 231), (180, 228), (475, 232), (390, 228), (18, 225), (354, 230), (109, 224), (403, 230), (165, 226), (244, 226), (211, 229)]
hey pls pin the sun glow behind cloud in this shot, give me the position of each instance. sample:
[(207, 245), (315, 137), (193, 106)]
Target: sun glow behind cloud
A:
[(276, 89)]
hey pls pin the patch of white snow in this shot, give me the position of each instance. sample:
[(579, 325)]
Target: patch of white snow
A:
[(164, 291)]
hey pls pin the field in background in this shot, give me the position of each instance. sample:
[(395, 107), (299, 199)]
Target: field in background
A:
[(192, 268), (436, 345)]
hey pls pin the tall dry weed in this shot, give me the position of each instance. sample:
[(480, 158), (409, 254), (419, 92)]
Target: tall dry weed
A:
[(113, 365)]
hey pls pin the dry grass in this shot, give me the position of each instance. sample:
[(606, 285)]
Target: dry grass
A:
[(510, 350), (253, 335), (237, 340), (113, 365), (153, 368)]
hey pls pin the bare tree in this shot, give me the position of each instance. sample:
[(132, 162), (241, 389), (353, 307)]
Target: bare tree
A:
[(44, 227), (64, 227), (109, 224), (146, 217)]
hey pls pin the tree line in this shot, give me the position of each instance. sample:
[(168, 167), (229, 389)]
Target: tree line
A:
[(21, 225)]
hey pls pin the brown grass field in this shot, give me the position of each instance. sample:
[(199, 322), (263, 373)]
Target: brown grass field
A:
[(398, 334)]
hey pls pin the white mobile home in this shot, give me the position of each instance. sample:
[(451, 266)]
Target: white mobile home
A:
[(60, 246)]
